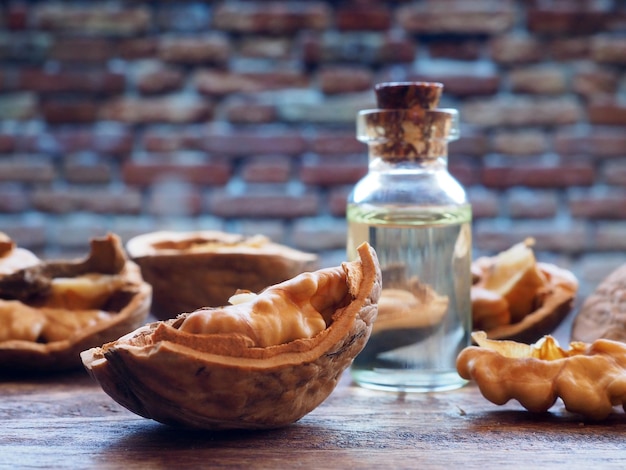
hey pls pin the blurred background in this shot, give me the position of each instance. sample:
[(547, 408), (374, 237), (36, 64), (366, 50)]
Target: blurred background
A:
[(133, 116)]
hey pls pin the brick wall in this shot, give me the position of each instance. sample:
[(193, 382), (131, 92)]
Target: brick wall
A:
[(133, 116)]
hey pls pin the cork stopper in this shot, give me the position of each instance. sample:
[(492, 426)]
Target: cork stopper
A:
[(407, 126), (408, 95)]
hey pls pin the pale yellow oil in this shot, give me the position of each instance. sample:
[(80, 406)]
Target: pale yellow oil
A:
[(435, 248)]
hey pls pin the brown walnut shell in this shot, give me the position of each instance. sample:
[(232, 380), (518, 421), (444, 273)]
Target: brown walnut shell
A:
[(25, 293), (225, 380), (551, 305), (190, 270), (603, 314)]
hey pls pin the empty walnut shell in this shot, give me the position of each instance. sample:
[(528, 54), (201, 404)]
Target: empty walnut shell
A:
[(53, 310), (242, 366), (190, 270)]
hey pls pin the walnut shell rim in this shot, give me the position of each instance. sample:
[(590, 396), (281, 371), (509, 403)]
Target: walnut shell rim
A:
[(211, 382), (184, 281)]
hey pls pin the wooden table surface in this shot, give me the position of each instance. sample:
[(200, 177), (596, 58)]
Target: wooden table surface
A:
[(67, 421)]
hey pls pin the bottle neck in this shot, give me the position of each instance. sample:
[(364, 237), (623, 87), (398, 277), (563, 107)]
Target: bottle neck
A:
[(405, 157)]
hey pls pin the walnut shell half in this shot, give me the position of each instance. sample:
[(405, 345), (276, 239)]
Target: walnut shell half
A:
[(190, 270), (192, 371), (52, 310)]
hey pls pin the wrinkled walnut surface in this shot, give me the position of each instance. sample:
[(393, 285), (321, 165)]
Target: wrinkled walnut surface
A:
[(190, 375), (589, 378), (51, 311), (190, 270), (603, 314)]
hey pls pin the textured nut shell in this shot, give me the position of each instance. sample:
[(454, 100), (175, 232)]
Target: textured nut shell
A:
[(216, 382), (603, 314), (184, 281), (554, 307), (134, 305)]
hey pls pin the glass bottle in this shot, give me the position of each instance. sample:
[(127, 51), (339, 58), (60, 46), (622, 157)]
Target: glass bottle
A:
[(418, 219)]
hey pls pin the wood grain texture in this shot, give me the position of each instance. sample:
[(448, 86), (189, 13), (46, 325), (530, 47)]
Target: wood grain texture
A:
[(69, 422)]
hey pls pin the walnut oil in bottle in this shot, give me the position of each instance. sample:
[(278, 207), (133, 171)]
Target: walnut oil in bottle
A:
[(417, 217)]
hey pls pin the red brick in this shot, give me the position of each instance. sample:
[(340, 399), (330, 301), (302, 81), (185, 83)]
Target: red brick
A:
[(344, 79), (605, 205), (75, 111), (570, 20), (263, 204), (569, 48), (176, 109), (485, 204), (607, 111), (526, 142), (249, 112), (16, 17), (267, 169), (336, 143), (8, 143), (516, 49), (462, 85), (93, 19), (13, 198), (331, 170), (75, 49), (97, 201), (365, 18), (538, 80), (451, 49), (138, 48), (219, 83), (466, 172), (83, 170), (271, 17), (535, 176), (337, 200), (86, 81), (532, 204), (615, 173), (609, 236), (256, 142), (459, 16), (212, 49), (593, 82), (145, 173), (159, 141), (471, 142), (159, 79), (609, 49), (598, 142), (522, 112)]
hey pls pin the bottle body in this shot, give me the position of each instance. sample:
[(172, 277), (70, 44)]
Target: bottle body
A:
[(417, 218)]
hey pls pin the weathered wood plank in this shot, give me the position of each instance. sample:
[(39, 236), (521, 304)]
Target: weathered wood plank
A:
[(69, 422)]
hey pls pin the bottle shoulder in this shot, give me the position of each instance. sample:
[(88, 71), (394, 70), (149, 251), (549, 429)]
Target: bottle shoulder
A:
[(432, 187)]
